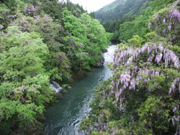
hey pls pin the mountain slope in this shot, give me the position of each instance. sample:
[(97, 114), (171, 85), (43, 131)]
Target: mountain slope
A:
[(121, 8)]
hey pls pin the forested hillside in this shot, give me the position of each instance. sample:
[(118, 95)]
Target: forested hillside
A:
[(143, 95), (40, 41), (133, 23), (120, 9)]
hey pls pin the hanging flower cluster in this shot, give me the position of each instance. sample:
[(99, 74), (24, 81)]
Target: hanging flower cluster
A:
[(30, 10), (47, 19), (165, 25), (11, 16), (24, 25), (128, 80), (176, 119), (157, 54)]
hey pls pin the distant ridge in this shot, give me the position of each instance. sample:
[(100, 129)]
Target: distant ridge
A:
[(121, 8)]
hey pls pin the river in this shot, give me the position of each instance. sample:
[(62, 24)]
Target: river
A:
[(64, 117)]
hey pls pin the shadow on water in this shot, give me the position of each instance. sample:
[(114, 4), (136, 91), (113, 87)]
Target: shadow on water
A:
[(64, 118)]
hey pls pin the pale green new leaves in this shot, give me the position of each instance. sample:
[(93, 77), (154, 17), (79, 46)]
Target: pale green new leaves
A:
[(25, 57)]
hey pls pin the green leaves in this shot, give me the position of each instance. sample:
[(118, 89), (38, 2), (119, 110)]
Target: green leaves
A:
[(24, 84), (26, 57), (85, 42), (22, 115), (143, 93), (136, 41), (45, 41)]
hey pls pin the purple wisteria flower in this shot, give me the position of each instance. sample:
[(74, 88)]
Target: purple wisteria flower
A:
[(47, 19), (160, 47), (173, 87), (1, 26), (158, 57), (156, 27), (81, 45), (164, 31), (130, 78), (11, 16), (149, 25), (31, 10), (1, 32), (164, 20), (23, 88), (101, 103), (7, 11), (15, 91), (169, 27)]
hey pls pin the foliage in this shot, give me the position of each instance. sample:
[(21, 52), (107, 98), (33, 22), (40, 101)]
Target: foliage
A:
[(85, 42), (42, 41), (134, 18), (24, 84), (166, 23), (14, 112), (136, 41), (139, 25), (142, 96)]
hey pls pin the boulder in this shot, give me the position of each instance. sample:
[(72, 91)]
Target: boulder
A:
[(104, 50), (100, 62)]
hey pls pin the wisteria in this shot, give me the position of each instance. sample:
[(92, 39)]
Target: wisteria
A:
[(169, 27), (62, 29), (24, 25), (61, 56), (173, 87), (150, 25), (128, 81), (164, 30), (7, 11), (133, 77), (1, 26), (164, 20), (15, 91), (150, 73), (164, 53), (170, 22), (30, 10), (1, 32), (81, 45), (23, 88), (11, 16), (47, 18), (176, 118)]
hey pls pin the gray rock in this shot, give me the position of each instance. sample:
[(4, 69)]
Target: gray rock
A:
[(104, 50), (100, 62)]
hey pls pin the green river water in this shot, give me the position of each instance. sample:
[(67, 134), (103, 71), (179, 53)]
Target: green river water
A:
[(64, 117)]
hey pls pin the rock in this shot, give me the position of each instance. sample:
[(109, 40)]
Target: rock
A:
[(104, 50), (58, 96), (100, 62)]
